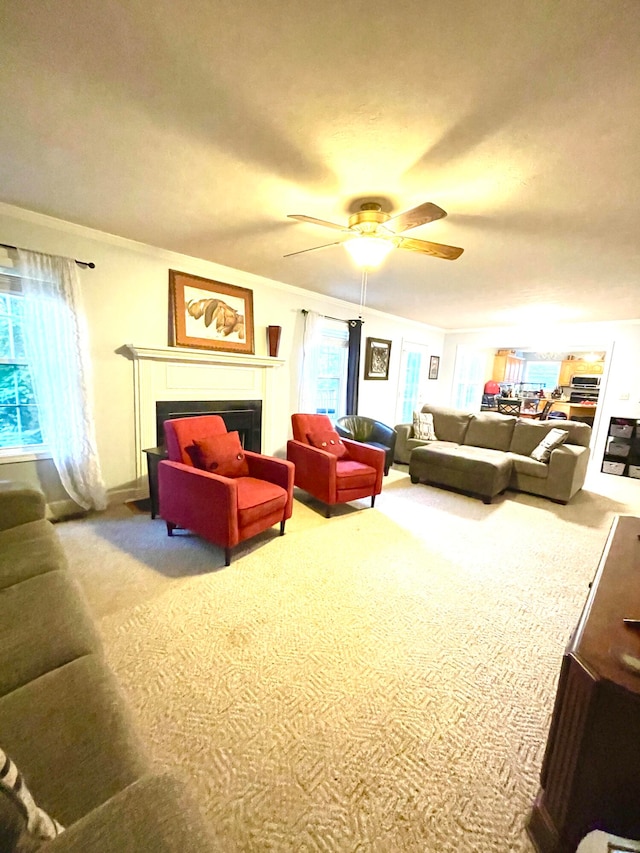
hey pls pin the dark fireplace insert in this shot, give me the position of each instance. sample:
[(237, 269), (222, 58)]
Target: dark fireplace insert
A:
[(242, 415)]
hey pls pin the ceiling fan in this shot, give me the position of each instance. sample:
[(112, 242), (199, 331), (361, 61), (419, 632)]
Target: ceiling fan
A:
[(372, 225)]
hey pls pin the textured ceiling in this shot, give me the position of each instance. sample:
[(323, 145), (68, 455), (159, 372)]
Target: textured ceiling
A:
[(198, 125)]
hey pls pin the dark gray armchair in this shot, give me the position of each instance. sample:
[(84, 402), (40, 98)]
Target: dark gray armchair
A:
[(369, 431)]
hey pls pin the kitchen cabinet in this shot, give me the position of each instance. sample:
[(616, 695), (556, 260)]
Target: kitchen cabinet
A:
[(577, 367), (507, 368)]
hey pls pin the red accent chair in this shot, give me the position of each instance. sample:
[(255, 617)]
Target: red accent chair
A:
[(328, 478), (223, 510)]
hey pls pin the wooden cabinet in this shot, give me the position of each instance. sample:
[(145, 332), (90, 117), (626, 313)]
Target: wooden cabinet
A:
[(577, 367), (591, 770), (507, 368)]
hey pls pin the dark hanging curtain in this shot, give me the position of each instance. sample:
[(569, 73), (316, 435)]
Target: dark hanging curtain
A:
[(353, 366)]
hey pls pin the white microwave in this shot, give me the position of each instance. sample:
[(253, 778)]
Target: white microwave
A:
[(585, 381)]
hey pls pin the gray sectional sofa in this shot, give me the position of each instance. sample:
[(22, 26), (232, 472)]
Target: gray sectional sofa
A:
[(63, 719), (485, 453)]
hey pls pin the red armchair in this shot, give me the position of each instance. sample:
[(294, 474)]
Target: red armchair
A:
[(225, 510), (321, 473)]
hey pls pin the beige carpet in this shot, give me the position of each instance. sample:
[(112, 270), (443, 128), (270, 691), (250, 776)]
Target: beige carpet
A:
[(379, 681)]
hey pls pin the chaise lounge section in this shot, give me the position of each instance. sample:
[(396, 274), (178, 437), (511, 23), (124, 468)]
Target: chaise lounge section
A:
[(64, 721), (485, 453)]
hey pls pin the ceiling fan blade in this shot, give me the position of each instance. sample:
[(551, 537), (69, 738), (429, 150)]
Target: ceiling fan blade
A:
[(314, 221), (438, 250), (426, 212), (313, 249)]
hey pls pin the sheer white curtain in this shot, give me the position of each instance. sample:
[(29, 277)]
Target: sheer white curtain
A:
[(56, 344), (310, 371)]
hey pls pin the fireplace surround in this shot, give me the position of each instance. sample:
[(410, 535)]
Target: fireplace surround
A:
[(180, 382)]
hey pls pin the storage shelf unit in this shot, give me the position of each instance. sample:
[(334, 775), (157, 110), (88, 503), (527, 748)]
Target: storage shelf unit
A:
[(622, 450)]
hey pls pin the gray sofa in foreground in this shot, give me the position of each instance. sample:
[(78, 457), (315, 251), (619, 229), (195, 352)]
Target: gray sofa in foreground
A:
[(63, 719), (485, 453)]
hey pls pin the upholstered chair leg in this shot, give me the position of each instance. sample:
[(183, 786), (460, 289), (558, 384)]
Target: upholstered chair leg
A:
[(227, 556), (282, 528), (373, 500), (327, 512), (170, 528)]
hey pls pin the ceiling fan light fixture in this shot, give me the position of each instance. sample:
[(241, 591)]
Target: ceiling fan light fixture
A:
[(369, 252)]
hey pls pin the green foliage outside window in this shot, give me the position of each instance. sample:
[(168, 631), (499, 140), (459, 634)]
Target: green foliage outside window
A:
[(19, 421)]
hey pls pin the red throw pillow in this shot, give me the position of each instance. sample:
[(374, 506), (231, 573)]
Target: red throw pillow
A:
[(328, 440), (220, 454)]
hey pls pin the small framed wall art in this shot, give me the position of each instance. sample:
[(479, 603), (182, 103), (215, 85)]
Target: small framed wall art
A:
[(434, 366), (209, 314), (376, 362)]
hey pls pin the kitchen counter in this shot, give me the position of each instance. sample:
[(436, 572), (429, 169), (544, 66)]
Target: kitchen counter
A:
[(571, 410), (574, 410)]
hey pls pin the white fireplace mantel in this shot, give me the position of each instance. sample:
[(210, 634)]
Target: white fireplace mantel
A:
[(202, 356), (175, 373)]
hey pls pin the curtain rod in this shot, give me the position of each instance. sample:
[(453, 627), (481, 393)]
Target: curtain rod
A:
[(89, 264), (305, 311)]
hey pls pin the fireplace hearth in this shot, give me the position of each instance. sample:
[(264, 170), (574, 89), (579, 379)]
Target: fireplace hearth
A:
[(245, 416)]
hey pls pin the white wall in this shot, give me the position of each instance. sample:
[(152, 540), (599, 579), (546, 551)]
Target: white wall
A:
[(126, 301), (621, 341)]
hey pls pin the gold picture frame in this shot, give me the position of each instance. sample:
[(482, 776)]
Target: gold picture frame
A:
[(377, 357), (209, 314)]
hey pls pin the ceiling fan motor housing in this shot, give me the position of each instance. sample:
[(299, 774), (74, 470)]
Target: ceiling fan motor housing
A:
[(368, 219)]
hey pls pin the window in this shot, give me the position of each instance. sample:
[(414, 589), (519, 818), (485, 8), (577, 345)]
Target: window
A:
[(332, 368), (19, 421), (468, 380), (544, 374), (414, 369)]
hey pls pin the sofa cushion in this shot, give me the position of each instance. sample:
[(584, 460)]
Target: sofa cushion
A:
[(221, 454), (257, 499), (530, 467), (23, 824), (19, 504), (528, 434), (45, 624), (490, 430), (328, 440), (423, 427), (552, 439), (28, 550), (158, 814), (85, 749), (449, 424), (354, 475)]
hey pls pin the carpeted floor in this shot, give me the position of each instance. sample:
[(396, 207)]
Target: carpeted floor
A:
[(379, 681)]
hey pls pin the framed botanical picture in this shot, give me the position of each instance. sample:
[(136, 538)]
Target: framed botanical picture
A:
[(376, 362), (434, 366), (209, 314)]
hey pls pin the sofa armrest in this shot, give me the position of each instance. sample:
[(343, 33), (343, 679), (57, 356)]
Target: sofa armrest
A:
[(189, 495), (368, 455), (567, 471), (154, 813), (384, 434), (365, 453), (314, 468), (280, 472), (402, 451), (19, 504)]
